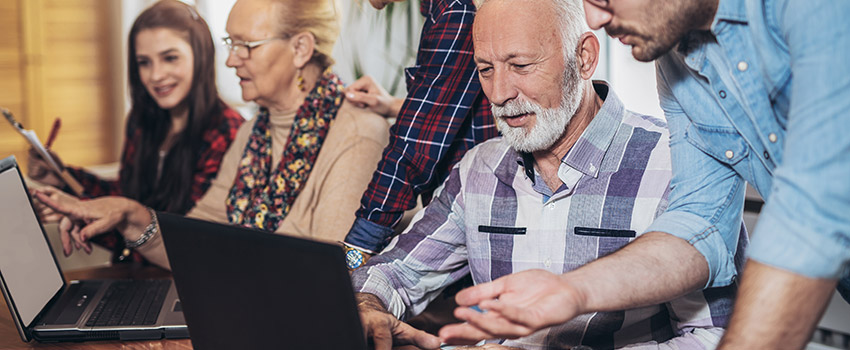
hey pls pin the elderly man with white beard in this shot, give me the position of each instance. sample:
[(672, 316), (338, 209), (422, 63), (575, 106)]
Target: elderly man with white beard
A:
[(575, 177)]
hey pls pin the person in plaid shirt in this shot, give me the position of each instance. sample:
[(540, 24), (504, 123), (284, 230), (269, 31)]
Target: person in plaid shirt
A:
[(178, 128), (575, 177), (444, 115)]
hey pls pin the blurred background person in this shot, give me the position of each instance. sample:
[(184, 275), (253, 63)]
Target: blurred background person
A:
[(178, 128)]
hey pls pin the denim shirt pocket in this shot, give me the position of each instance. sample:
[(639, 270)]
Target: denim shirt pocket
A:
[(721, 143)]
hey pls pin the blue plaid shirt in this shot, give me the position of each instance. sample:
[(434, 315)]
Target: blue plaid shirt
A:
[(495, 216)]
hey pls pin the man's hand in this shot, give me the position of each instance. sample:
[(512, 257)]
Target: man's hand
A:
[(386, 330), (515, 306), (366, 93)]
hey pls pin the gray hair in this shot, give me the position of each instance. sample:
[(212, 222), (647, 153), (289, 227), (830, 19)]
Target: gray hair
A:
[(572, 24)]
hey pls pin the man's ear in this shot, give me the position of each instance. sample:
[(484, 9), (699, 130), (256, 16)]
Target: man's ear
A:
[(587, 54), (303, 45)]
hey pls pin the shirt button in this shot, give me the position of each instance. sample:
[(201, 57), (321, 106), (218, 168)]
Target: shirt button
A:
[(742, 66), (772, 137), (551, 206), (766, 155), (730, 154), (547, 263), (722, 94)]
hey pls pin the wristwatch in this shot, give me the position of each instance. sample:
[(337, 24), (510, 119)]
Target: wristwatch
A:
[(354, 257)]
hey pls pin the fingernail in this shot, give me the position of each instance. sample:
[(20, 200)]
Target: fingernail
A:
[(349, 95)]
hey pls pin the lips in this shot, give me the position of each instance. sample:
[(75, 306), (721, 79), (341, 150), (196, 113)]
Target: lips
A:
[(516, 120), (164, 90)]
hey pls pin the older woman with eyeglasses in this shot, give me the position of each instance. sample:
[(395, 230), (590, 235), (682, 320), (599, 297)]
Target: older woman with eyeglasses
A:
[(299, 167)]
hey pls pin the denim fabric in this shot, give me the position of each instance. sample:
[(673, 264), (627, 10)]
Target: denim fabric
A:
[(762, 98)]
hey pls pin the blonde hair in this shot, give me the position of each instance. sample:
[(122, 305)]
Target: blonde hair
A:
[(318, 17)]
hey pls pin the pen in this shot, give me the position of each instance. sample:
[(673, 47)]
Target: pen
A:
[(53, 132)]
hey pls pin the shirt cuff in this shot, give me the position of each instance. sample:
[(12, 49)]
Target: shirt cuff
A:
[(799, 248), (368, 236), (369, 279), (707, 239)]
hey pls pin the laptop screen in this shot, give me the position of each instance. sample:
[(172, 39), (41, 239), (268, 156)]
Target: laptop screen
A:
[(26, 262)]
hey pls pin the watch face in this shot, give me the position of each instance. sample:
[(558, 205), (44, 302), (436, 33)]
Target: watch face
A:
[(353, 258)]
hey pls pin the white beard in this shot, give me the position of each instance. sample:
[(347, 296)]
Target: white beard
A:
[(550, 123)]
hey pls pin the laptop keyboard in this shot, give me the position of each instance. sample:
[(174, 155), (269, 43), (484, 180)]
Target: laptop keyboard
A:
[(130, 303)]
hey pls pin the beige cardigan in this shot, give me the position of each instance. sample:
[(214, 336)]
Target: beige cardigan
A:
[(324, 210)]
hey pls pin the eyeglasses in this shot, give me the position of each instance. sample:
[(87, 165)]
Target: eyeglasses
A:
[(242, 49)]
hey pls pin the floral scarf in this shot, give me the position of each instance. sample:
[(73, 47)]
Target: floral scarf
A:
[(261, 197)]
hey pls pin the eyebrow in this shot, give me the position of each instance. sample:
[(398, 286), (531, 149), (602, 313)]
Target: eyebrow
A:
[(168, 51), (509, 57)]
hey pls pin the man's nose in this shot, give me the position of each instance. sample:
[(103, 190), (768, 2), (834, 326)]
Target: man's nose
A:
[(597, 17), (502, 88)]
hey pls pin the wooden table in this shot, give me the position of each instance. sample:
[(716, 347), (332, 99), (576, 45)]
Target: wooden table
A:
[(10, 340)]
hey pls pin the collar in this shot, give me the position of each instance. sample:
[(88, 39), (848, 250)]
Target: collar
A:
[(587, 153), (729, 11)]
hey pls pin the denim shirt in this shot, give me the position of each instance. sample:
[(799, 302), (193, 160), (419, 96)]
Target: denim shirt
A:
[(764, 98)]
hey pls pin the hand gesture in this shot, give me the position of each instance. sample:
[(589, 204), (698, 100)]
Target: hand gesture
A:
[(366, 93), (46, 213), (81, 220), (385, 330), (516, 305)]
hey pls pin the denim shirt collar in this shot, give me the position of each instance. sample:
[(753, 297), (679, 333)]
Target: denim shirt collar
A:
[(587, 153), (728, 11)]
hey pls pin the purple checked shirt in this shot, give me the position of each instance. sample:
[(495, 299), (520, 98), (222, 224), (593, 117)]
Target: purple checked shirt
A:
[(495, 216)]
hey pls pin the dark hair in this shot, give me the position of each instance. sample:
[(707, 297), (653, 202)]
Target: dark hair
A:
[(148, 124)]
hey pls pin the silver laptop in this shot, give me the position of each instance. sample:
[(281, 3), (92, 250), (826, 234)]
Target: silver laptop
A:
[(46, 308)]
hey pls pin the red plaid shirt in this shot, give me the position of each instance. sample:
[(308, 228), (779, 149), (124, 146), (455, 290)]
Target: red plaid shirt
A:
[(444, 115), (216, 142)]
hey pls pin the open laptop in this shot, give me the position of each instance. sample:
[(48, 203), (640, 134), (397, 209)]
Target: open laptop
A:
[(46, 308), (249, 289)]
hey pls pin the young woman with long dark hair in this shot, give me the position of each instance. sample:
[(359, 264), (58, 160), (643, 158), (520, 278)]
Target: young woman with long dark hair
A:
[(178, 128)]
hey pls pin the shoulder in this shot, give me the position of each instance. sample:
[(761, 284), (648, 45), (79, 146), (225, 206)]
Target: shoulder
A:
[(232, 119), (361, 123), (228, 123), (645, 122), (649, 137)]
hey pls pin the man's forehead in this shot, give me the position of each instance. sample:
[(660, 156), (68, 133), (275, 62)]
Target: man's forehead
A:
[(502, 24)]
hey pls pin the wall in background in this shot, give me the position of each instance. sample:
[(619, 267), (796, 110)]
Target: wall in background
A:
[(56, 61)]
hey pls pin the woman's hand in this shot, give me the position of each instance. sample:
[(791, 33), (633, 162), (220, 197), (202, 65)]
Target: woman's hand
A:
[(39, 170), (366, 93), (46, 213), (82, 220)]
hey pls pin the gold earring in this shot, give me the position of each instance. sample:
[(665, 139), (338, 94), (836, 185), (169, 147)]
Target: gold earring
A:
[(300, 81)]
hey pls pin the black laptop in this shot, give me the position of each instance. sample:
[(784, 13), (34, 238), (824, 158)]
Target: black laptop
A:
[(46, 308), (249, 289)]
